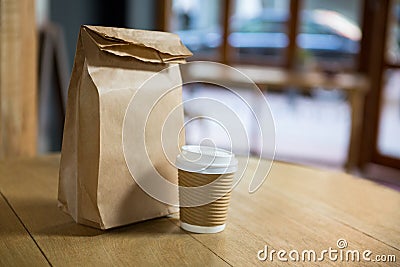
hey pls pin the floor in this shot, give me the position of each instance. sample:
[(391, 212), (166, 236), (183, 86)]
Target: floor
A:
[(309, 129)]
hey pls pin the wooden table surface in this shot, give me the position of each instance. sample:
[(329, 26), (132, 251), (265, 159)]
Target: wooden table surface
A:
[(297, 208)]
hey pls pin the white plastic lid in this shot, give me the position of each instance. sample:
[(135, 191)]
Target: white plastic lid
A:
[(206, 159)]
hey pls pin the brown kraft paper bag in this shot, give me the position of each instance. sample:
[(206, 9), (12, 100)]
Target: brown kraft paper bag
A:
[(95, 185)]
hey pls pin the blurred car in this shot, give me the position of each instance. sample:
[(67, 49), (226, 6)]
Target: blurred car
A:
[(324, 33)]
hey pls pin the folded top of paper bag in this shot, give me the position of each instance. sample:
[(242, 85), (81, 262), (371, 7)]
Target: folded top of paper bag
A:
[(149, 46)]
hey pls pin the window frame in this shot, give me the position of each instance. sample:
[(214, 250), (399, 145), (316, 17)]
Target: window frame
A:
[(371, 61), (226, 53), (377, 107)]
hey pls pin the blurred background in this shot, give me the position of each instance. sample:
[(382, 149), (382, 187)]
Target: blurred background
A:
[(336, 43)]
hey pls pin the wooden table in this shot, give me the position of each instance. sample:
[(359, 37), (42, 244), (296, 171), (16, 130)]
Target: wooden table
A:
[(296, 208), (355, 85)]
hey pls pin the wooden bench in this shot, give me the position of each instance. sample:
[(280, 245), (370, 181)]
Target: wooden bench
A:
[(355, 85)]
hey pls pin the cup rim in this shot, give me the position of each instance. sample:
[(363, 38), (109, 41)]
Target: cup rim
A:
[(206, 159)]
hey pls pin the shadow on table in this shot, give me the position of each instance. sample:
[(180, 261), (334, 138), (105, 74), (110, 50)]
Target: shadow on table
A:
[(43, 217)]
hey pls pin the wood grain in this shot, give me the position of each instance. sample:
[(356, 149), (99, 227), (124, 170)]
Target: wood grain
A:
[(278, 216), (16, 246), (32, 192), (18, 78), (368, 207), (296, 208)]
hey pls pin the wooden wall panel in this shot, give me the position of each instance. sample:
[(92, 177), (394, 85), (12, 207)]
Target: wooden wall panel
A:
[(18, 78)]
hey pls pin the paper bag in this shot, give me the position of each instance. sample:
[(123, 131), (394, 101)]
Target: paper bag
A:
[(95, 185)]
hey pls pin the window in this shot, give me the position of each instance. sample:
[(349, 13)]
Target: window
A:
[(197, 22), (258, 30), (389, 127), (393, 51), (330, 33), (389, 121), (291, 33)]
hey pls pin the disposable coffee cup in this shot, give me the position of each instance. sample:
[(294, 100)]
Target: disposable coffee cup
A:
[(205, 176)]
